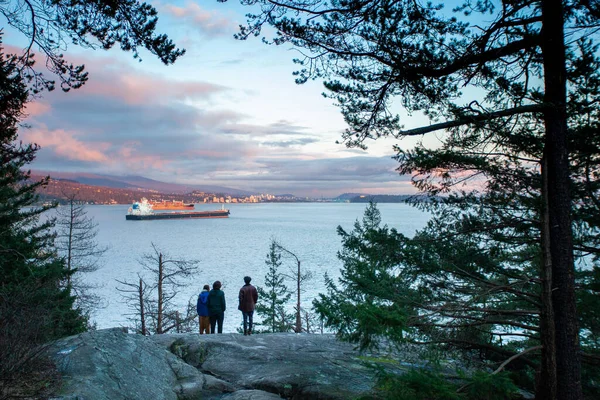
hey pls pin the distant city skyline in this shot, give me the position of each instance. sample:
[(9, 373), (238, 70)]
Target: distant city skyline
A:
[(227, 113)]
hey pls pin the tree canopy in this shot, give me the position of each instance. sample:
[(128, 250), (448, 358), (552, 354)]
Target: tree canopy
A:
[(36, 302), (52, 25), (35, 306), (492, 75)]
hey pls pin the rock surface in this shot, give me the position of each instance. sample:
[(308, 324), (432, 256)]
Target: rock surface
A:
[(290, 365), (111, 364)]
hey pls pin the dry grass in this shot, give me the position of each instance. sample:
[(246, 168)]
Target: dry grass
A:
[(41, 380)]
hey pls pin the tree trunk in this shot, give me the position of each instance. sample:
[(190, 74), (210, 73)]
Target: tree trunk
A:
[(546, 381), (70, 242), (159, 317), (142, 310), (559, 203), (273, 312), (298, 318)]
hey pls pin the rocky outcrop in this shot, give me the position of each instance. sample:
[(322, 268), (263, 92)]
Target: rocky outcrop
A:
[(112, 364), (293, 366)]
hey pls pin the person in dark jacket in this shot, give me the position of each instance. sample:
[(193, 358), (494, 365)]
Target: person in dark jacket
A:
[(216, 307), (248, 298), (202, 308)]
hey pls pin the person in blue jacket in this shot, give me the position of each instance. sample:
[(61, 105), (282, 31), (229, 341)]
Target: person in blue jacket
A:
[(202, 308)]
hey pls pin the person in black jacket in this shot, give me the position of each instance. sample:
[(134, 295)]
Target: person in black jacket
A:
[(247, 302), (216, 307)]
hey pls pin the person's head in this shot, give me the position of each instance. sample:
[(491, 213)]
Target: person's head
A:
[(247, 279), (216, 285), (206, 287)]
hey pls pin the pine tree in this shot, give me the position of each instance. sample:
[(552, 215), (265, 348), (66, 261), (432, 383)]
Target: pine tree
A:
[(35, 306), (76, 243), (364, 307), (467, 284), (275, 295), (472, 69)]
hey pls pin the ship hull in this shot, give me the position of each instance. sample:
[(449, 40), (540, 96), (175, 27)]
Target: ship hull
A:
[(179, 215)]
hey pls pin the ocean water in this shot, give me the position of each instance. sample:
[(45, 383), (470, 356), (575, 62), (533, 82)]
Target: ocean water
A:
[(228, 249)]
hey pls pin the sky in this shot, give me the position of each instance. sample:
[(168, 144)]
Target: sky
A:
[(227, 113)]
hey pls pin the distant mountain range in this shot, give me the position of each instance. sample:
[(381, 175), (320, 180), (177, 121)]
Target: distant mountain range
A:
[(133, 183), (137, 182)]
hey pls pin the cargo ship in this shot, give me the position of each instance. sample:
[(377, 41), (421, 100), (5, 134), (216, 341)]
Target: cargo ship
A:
[(171, 205), (141, 211)]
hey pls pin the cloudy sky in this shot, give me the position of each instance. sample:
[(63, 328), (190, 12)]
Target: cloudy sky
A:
[(227, 113)]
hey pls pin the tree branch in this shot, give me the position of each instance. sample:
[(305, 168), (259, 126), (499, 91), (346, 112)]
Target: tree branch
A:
[(471, 119), (505, 363)]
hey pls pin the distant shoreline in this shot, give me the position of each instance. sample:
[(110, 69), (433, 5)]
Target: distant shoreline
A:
[(62, 202), (59, 190)]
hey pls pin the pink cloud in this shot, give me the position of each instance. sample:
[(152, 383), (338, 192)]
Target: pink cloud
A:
[(36, 108), (65, 144), (208, 22), (128, 149), (112, 77), (11, 49), (138, 88), (214, 154), (115, 77), (127, 155)]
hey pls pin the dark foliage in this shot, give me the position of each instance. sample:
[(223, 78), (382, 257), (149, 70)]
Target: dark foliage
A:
[(365, 308), (52, 25), (35, 305), (493, 76), (434, 385)]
